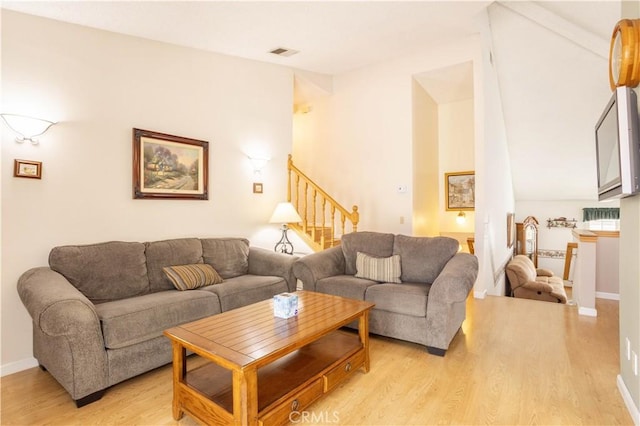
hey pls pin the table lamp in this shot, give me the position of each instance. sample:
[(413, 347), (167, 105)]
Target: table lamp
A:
[(284, 213)]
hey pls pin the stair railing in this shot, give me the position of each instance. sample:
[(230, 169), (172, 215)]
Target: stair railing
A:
[(318, 220)]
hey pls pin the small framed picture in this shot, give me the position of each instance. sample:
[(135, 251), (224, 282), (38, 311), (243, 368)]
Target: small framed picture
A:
[(257, 188), (459, 190), (27, 169)]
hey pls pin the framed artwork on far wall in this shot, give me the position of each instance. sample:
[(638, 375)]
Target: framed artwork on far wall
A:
[(27, 169), (511, 229), (459, 189), (167, 166)]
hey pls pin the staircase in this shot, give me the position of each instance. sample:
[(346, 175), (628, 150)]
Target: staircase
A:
[(323, 219)]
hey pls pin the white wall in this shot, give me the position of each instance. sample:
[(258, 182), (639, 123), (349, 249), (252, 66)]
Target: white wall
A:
[(456, 154), (99, 85), (369, 141), (494, 189), (426, 171)]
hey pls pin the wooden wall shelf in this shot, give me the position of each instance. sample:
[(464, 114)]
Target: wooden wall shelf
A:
[(561, 222)]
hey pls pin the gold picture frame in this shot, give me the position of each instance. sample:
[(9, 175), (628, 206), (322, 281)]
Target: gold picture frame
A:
[(459, 189), (168, 166)]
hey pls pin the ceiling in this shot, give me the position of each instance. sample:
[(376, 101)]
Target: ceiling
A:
[(332, 37), (547, 57)]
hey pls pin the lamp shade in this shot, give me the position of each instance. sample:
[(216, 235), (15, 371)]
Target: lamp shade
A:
[(26, 127), (285, 213)]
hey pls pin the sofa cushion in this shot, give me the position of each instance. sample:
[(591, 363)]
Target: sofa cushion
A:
[(105, 271), (345, 286), (423, 258), (190, 277), (137, 319), (381, 269), (180, 251), (247, 289), (228, 256), (371, 243), (405, 298)]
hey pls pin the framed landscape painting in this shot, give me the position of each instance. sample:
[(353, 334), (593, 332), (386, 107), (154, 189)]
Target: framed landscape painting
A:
[(167, 166), (459, 188)]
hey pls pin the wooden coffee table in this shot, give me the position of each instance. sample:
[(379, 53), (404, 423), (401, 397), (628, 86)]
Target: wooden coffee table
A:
[(265, 370)]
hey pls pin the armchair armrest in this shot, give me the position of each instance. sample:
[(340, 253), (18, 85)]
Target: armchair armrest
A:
[(67, 320), (543, 272), (266, 262), (311, 268)]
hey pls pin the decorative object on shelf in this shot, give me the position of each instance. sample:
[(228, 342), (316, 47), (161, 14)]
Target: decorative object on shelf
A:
[(561, 222), (27, 169), (624, 54), (551, 253), (284, 213), (257, 188), (27, 128), (461, 218), (459, 189), (167, 166)]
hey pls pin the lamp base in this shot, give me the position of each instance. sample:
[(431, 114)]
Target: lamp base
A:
[(284, 245)]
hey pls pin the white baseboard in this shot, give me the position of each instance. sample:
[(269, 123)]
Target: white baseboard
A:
[(480, 294), (14, 367), (628, 401), (589, 312), (610, 296)]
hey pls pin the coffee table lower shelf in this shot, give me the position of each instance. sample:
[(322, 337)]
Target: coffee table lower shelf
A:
[(286, 386)]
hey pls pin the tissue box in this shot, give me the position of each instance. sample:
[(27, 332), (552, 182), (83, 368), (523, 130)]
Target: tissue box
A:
[(285, 305)]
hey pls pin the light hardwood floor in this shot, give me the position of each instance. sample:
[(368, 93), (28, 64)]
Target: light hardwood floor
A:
[(515, 361)]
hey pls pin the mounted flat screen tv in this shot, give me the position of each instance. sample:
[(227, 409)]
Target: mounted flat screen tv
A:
[(618, 146)]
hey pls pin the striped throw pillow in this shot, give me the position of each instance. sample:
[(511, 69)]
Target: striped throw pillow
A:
[(189, 277), (381, 269)]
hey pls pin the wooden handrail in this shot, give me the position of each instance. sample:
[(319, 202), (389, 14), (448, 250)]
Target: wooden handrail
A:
[(317, 232)]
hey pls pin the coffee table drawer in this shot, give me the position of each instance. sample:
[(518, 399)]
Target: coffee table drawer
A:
[(343, 370), (289, 410)]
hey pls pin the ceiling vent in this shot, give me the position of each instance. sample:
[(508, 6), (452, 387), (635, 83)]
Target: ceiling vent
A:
[(283, 51)]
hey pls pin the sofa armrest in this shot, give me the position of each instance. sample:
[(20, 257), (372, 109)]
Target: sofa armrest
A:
[(446, 309), (66, 318), (311, 268), (267, 262), (456, 279), (55, 305)]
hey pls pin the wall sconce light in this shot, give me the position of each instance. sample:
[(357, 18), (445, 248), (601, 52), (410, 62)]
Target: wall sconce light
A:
[(461, 218), (27, 128), (258, 164), (284, 213)]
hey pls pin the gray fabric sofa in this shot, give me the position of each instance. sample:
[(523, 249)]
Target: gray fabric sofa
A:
[(426, 307), (99, 310)]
